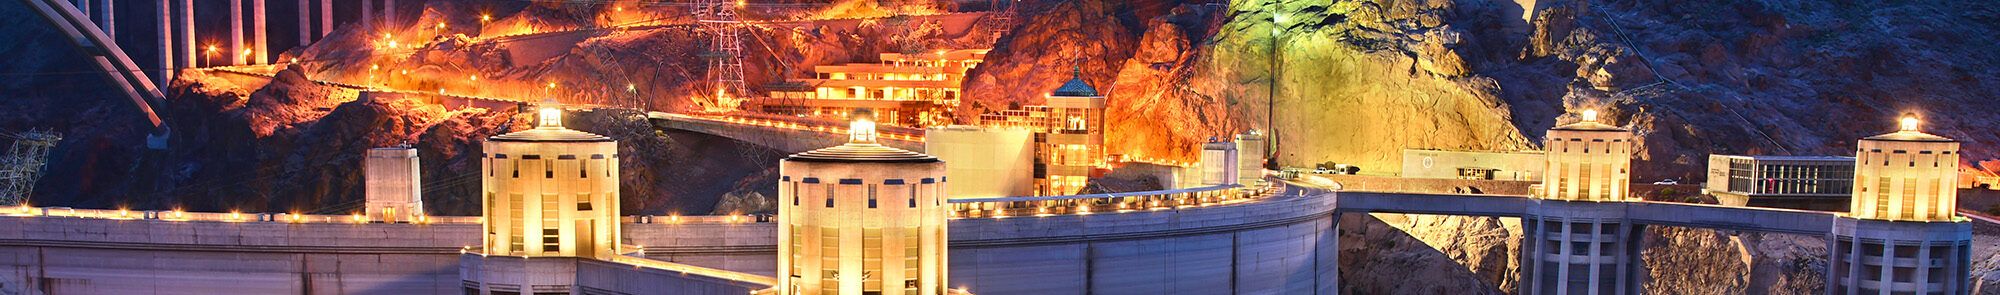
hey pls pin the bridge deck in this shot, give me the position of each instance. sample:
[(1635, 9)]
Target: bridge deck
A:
[(1651, 213)]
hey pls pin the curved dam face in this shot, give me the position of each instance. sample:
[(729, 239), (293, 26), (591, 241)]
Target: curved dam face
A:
[(1281, 245)]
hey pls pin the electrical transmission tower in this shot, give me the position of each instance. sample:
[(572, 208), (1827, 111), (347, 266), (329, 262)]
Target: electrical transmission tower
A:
[(22, 164), (725, 58), (1003, 18)]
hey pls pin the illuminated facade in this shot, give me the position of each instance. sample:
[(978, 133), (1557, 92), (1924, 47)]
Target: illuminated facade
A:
[(1477, 165), (550, 191), (393, 185), (1069, 136), (1575, 241), (1250, 147), (1797, 182), (1219, 163), (904, 89), (1907, 175), (985, 162), (1588, 161), (861, 218), (1902, 235)]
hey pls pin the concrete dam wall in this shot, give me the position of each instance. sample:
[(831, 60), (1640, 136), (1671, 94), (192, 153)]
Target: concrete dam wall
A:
[(1283, 245)]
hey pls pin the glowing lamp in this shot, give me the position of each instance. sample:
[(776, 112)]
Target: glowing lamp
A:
[(1590, 115), (862, 130), (551, 117), (1910, 123)]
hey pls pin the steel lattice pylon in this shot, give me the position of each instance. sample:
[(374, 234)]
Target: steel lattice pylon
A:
[(1003, 18), (725, 58), (22, 165)]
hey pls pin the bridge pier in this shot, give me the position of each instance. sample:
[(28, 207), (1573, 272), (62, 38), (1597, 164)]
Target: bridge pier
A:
[(165, 27), (1895, 257), (185, 29), (1579, 248), (235, 54), (259, 44), (305, 22), (325, 18), (368, 14)]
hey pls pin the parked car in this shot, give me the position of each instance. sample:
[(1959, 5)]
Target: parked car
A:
[(1668, 181)]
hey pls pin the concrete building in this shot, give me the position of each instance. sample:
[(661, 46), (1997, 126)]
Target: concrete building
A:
[(1577, 239), (987, 162), (394, 185), (1903, 235), (1220, 163), (551, 191), (1250, 150), (917, 89), (1487, 165), (1588, 161), (1069, 136), (1796, 182), (861, 218)]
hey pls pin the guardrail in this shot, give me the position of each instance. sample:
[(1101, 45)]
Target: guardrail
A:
[(1003, 207), (177, 215)]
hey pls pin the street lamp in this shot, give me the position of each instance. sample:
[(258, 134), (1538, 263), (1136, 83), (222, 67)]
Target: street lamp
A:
[(211, 54)]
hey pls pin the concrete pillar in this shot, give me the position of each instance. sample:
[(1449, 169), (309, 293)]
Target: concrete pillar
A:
[(166, 28), (107, 19), (305, 22), (1579, 248), (190, 52), (325, 18), (235, 54), (389, 13), (1888, 257), (260, 45), (368, 15)]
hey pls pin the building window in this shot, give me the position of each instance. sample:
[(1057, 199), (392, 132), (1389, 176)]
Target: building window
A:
[(551, 222), (583, 202), (516, 232), (871, 196), (829, 195)]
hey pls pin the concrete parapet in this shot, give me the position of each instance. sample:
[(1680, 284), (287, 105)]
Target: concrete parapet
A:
[(1579, 248)]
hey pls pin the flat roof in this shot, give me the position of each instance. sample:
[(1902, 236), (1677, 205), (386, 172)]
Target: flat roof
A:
[(1789, 158)]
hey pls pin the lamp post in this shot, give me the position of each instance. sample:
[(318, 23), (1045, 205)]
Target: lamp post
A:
[(210, 59)]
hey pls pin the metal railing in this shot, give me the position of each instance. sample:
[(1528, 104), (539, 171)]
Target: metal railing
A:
[(1003, 207), (176, 215)]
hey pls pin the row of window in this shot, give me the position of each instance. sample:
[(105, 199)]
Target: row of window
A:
[(548, 165), (910, 200)]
